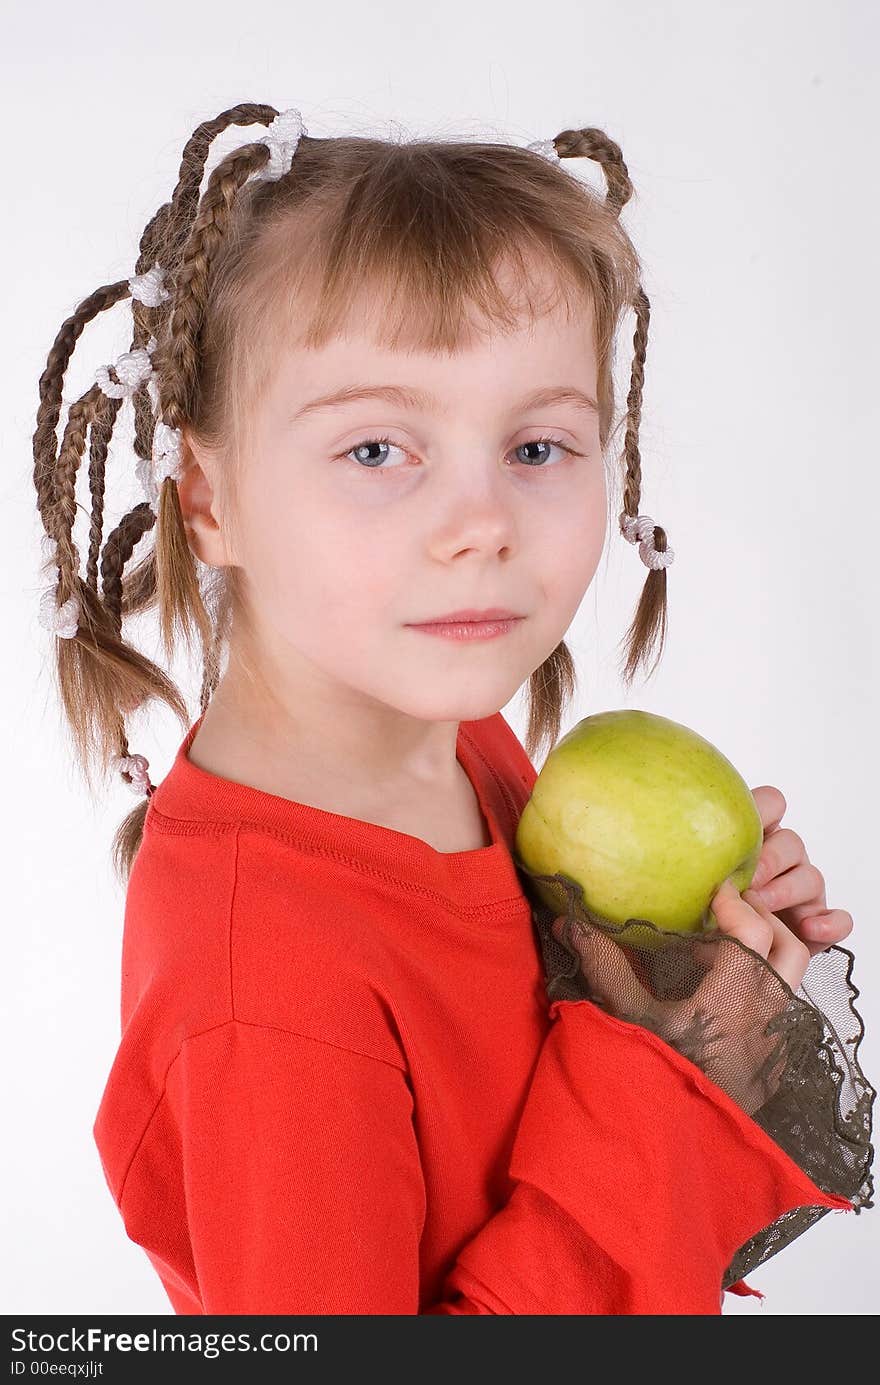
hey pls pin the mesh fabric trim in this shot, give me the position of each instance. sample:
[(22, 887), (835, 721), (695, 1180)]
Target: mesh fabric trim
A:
[(789, 1059)]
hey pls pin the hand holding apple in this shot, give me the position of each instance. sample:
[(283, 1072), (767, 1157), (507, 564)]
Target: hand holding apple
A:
[(736, 1044), (651, 819), (786, 881), (648, 817), (642, 840), (746, 918), (791, 884)]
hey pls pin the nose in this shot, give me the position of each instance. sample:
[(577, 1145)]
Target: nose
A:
[(478, 516)]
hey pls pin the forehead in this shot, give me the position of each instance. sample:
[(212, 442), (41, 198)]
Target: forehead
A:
[(500, 373), (553, 335)]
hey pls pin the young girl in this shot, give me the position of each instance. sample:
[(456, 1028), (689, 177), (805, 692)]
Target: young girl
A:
[(372, 396)]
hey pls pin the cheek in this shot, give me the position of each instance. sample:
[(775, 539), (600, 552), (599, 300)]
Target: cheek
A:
[(319, 568), (572, 540)]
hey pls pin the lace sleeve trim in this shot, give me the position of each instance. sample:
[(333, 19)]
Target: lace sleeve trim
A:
[(788, 1059)]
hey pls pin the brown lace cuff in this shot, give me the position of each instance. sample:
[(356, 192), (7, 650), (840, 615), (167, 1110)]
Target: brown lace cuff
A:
[(788, 1059)]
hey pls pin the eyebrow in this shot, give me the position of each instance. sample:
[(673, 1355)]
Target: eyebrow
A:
[(404, 396)]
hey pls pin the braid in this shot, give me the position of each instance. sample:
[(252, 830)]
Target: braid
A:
[(101, 678), (117, 551), (553, 683), (100, 435), (177, 361), (650, 620), (594, 144)]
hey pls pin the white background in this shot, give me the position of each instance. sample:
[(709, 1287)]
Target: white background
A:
[(749, 132)]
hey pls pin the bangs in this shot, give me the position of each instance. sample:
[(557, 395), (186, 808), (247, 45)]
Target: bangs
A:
[(423, 297), (415, 296)]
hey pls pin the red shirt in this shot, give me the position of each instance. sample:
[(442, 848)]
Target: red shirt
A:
[(340, 1089)]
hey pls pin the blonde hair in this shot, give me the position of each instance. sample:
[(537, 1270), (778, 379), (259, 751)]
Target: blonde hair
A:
[(251, 262)]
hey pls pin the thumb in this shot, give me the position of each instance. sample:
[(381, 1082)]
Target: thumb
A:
[(744, 917)]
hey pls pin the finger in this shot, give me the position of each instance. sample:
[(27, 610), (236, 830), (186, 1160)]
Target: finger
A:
[(800, 889), (753, 924), (771, 805), (737, 917), (788, 956), (607, 968), (783, 849), (821, 931)]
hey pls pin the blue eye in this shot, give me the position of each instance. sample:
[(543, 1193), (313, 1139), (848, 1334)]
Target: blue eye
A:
[(375, 463), (544, 442)]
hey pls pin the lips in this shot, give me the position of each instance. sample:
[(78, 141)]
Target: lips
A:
[(470, 615)]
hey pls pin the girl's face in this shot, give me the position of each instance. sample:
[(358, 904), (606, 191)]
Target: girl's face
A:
[(358, 518)]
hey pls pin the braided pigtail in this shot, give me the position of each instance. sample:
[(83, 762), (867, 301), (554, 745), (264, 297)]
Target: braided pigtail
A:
[(98, 675), (102, 678), (650, 619), (553, 683)]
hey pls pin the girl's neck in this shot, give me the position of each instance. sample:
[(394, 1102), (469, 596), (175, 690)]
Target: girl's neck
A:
[(446, 813)]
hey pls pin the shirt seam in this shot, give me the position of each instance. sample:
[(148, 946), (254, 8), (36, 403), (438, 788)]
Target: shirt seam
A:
[(250, 1024), (181, 826), (502, 785)]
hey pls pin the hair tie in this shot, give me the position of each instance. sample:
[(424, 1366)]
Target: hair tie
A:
[(546, 148), (150, 288), (640, 529), (58, 620), (133, 368), (136, 767), (282, 137)]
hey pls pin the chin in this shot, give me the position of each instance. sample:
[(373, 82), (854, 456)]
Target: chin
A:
[(464, 708), (450, 696)]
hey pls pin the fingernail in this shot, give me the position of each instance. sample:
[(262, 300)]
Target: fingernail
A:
[(759, 877)]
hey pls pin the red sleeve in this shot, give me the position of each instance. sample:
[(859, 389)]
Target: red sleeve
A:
[(653, 1161), (304, 1190)]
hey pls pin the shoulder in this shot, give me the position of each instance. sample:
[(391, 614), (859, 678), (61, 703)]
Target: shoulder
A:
[(308, 948), (228, 924)]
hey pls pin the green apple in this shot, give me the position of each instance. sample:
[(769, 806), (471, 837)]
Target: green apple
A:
[(649, 819)]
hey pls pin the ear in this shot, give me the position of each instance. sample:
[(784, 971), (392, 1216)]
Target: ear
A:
[(198, 493)]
